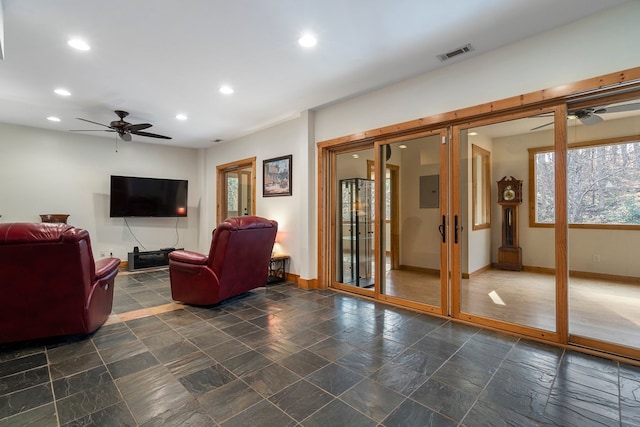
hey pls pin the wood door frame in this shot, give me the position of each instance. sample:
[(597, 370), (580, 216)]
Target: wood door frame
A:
[(394, 222), (557, 97), (221, 190)]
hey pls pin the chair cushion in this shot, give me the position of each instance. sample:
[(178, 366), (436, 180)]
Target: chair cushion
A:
[(32, 232), (188, 257)]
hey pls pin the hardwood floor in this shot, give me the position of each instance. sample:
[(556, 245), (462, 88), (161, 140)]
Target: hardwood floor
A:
[(602, 310)]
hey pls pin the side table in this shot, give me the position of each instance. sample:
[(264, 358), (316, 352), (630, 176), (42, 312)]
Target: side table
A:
[(278, 268)]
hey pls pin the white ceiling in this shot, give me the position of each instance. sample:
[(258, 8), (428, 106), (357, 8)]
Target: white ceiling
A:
[(158, 58)]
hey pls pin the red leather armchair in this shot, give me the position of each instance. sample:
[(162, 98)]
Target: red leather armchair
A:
[(238, 261), (49, 282)]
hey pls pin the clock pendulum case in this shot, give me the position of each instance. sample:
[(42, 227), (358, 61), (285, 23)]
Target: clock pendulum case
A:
[(510, 198)]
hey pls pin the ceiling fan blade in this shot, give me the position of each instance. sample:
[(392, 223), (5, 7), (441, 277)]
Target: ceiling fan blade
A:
[(91, 130), (150, 135), (542, 126), (138, 127), (95, 123), (621, 108), (125, 136), (590, 119)]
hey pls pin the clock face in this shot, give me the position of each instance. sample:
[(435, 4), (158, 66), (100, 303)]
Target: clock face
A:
[(509, 194)]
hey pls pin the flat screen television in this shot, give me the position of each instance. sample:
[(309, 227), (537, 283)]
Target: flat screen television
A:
[(147, 197)]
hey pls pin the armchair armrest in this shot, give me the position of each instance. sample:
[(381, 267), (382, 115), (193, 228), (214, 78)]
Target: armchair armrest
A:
[(188, 257), (106, 266)]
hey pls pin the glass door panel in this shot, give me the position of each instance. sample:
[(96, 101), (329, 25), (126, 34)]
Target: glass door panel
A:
[(236, 192), (504, 266), (356, 232), (603, 208), (416, 198), (353, 221)]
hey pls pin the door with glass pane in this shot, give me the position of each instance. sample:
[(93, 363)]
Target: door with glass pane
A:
[(415, 172), (603, 213), (353, 220), (503, 269), (236, 189)]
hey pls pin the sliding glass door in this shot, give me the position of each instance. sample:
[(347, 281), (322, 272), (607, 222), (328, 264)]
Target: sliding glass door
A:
[(353, 220), (416, 207), (603, 208), (526, 222), (505, 270)]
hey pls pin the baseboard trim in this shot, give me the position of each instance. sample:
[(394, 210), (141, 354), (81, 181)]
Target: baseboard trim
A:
[(308, 283), (477, 272), (432, 271), (585, 275)]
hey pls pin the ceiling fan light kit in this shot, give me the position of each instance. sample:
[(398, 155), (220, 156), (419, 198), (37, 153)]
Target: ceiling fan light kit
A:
[(122, 128)]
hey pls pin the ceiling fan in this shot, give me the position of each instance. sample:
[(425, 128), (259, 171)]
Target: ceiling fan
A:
[(591, 115), (124, 129)]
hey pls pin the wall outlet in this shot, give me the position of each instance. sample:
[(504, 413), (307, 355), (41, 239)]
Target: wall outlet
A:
[(111, 252), (596, 258)]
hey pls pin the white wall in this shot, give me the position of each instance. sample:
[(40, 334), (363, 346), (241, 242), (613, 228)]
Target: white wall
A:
[(295, 214), (419, 237), (618, 249), (61, 172), (601, 44), (597, 45)]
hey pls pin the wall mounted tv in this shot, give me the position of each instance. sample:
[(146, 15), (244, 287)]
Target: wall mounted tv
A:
[(147, 197)]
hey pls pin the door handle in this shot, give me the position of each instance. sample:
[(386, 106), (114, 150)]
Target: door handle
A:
[(442, 228), (456, 229)]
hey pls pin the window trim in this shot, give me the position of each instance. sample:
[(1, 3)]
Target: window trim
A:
[(477, 151), (532, 175)]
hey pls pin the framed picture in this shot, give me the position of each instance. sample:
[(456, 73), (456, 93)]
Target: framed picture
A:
[(276, 177)]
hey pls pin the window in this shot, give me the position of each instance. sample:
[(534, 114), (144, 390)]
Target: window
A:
[(603, 184), (232, 192), (481, 187)]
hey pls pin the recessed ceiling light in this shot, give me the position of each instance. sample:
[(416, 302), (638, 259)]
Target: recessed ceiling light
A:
[(78, 44), (355, 156), (402, 146), (181, 117), (62, 92), (307, 40), (53, 119), (473, 133), (226, 89)]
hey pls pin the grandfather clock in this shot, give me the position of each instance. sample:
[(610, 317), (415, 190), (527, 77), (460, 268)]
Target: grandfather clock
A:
[(510, 197)]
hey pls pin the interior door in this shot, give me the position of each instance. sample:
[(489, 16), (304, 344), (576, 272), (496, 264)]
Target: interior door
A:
[(236, 189)]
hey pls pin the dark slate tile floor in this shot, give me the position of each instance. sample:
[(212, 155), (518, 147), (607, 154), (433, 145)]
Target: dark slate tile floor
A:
[(282, 356)]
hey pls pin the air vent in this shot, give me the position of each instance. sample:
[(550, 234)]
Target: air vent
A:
[(459, 51)]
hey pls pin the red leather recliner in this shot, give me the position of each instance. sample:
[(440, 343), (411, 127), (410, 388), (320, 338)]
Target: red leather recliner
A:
[(238, 261), (49, 282)]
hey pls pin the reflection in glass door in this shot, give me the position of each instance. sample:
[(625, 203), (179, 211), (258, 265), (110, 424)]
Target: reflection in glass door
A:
[(356, 232), (504, 267)]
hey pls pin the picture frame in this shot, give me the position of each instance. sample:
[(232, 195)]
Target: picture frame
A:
[(276, 176)]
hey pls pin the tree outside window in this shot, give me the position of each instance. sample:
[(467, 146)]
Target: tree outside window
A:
[(603, 184)]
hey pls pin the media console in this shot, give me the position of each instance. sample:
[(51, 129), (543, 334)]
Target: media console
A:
[(149, 259)]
